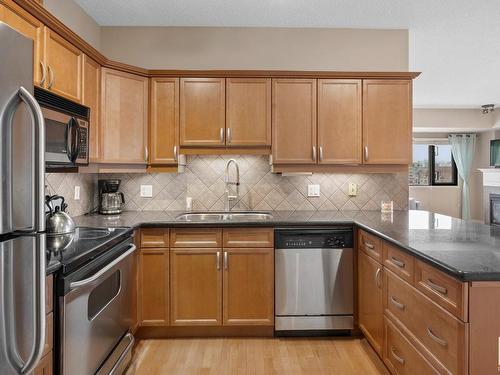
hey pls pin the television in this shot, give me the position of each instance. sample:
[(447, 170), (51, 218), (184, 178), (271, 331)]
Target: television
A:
[(495, 153)]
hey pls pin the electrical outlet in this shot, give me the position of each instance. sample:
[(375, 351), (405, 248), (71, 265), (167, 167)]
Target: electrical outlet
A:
[(353, 189), (313, 190), (147, 191), (77, 193)]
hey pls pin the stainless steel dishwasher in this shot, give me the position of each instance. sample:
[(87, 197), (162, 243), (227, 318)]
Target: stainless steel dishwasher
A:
[(314, 274)]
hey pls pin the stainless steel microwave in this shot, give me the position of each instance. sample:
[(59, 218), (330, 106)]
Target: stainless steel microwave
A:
[(66, 130)]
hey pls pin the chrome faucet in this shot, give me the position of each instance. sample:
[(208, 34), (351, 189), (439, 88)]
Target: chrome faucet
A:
[(229, 197)]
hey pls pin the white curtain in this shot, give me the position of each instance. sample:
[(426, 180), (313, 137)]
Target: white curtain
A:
[(462, 149)]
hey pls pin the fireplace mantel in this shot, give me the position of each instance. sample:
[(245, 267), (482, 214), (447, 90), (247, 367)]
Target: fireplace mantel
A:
[(491, 176)]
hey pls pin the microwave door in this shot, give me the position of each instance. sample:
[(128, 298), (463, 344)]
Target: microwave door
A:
[(58, 148)]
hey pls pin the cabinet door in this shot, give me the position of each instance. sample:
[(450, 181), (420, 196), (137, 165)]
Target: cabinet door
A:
[(20, 20), (339, 121), (196, 286), (248, 111), (91, 98), (153, 287), (370, 300), (164, 126), (202, 111), (64, 66), (387, 121), (45, 366), (294, 121), (124, 117), (248, 286)]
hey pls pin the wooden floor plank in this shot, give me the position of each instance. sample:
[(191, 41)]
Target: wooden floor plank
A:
[(255, 356)]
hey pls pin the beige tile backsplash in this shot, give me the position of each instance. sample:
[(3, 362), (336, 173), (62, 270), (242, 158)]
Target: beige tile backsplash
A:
[(203, 180)]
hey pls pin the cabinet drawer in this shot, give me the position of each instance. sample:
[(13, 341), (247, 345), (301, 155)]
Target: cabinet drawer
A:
[(440, 334), (401, 357), (370, 244), (49, 294), (248, 237), (49, 334), (196, 237), (401, 263), (447, 292), (154, 237)]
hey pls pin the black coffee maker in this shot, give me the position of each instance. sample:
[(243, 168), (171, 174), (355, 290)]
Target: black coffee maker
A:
[(111, 200)]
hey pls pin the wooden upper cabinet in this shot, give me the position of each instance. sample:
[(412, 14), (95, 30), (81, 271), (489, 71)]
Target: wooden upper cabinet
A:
[(164, 121), (64, 66), (196, 286), (124, 117), (294, 121), (91, 98), (387, 121), (202, 111), (339, 121), (248, 286), (20, 20), (248, 111), (371, 300)]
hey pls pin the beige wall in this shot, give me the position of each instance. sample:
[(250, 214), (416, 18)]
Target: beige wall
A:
[(74, 17), (450, 120), (444, 200), (257, 48)]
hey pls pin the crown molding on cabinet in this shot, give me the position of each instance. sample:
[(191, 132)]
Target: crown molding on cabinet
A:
[(38, 11)]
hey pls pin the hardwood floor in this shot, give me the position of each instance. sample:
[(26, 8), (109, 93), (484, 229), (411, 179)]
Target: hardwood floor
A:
[(245, 356)]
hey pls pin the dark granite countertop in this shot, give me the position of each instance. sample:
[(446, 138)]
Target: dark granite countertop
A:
[(467, 250)]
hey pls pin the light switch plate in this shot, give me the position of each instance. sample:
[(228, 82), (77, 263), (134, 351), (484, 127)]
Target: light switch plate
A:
[(353, 189), (313, 190), (77, 193), (147, 191)]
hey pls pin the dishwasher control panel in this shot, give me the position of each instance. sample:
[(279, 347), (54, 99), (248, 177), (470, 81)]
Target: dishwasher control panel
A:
[(321, 238)]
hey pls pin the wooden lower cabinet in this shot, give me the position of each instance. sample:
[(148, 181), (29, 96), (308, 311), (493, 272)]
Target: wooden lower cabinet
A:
[(154, 287), (370, 300), (400, 356), (248, 286), (196, 286), (45, 366)]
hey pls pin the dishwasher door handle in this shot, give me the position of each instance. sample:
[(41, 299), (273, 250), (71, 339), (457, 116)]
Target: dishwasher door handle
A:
[(102, 271)]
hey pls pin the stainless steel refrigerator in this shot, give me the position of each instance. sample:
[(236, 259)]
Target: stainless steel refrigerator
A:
[(22, 222)]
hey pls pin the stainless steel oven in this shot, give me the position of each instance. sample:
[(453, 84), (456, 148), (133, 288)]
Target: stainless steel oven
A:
[(96, 314), (66, 130)]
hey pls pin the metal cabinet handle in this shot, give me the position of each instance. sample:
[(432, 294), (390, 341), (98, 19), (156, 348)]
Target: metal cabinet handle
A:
[(377, 277), (399, 305), (226, 264), (44, 73), (320, 153), (397, 262), (52, 76), (98, 274), (218, 260), (314, 153), (228, 135), (146, 154), (366, 153), (397, 357), (439, 340), (221, 135), (175, 153), (436, 287), (369, 245)]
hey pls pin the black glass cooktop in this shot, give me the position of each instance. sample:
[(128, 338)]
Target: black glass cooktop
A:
[(77, 249)]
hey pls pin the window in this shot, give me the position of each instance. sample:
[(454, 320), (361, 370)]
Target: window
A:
[(432, 165)]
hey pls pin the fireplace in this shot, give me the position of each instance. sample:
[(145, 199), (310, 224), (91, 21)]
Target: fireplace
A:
[(495, 209)]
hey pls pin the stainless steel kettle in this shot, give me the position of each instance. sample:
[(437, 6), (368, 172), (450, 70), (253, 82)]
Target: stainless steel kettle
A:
[(57, 221)]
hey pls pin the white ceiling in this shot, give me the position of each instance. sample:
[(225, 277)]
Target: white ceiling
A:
[(455, 43)]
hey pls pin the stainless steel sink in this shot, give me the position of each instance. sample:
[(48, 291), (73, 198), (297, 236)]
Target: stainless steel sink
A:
[(224, 216)]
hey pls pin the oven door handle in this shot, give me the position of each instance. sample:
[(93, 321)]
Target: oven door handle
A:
[(102, 271)]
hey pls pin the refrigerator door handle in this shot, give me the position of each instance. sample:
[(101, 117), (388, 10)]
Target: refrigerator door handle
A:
[(39, 162)]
